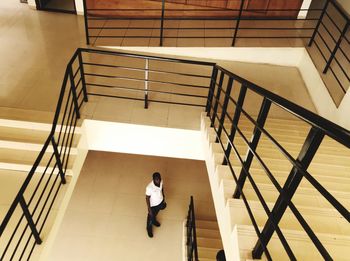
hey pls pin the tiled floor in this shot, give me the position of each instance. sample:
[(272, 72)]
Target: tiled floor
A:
[(35, 48), (107, 211), (179, 33), (31, 76)]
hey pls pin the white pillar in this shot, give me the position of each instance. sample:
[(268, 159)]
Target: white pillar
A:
[(79, 7), (303, 13)]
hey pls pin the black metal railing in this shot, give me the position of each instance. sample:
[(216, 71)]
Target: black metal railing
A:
[(227, 99), (229, 110), (227, 23), (191, 241), (331, 38), (163, 22), (24, 222), (146, 78), (120, 75)]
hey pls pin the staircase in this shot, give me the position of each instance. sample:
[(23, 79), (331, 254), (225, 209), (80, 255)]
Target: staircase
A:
[(208, 239), (21, 142), (330, 167)]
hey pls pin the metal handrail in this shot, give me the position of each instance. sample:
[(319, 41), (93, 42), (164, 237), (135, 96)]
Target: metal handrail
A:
[(60, 160), (331, 129), (311, 32), (320, 127)]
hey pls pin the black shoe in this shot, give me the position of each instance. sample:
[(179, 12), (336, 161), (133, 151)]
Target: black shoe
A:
[(149, 232), (156, 223)]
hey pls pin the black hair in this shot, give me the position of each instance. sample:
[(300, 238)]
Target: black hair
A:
[(156, 175), (220, 256)]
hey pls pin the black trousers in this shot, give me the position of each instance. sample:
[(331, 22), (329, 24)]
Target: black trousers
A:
[(155, 210)]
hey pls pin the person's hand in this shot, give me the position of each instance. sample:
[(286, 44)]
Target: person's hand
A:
[(150, 213)]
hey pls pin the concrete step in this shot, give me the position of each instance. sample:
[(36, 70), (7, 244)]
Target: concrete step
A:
[(299, 242), (19, 114), (260, 176), (209, 242), (208, 233), (33, 132), (207, 224), (205, 252), (317, 218), (303, 196), (25, 153)]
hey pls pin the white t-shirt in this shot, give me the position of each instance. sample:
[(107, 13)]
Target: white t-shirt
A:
[(155, 193)]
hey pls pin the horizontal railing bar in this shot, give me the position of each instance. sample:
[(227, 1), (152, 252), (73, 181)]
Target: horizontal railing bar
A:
[(335, 76), (143, 70), (319, 49), (310, 232), (340, 10), (157, 58), (258, 193), (46, 216), (331, 199), (159, 101), (76, 72), (344, 54), (297, 214), (41, 211), (329, 33), (23, 187), (205, 37), (331, 129), (146, 80), (334, 23), (202, 18), (199, 10), (143, 90), (202, 28), (250, 213)]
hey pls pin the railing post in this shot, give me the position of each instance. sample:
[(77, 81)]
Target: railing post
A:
[(193, 226), (318, 23), (224, 108), (58, 160), (331, 58), (235, 121), (162, 23), (237, 23), (146, 82), (74, 92), (217, 100), (211, 90), (82, 75), (305, 157), (30, 220), (264, 110), (86, 23)]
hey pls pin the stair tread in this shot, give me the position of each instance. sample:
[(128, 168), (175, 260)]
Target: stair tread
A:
[(318, 218), (26, 146), (25, 168)]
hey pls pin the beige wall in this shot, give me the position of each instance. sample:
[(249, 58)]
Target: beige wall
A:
[(345, 4)]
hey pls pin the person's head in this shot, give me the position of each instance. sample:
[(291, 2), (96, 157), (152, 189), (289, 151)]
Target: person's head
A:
[(156, 178), (220, 255)]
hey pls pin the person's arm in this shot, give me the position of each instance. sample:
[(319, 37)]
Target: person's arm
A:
[(149, 205), (163, 193)]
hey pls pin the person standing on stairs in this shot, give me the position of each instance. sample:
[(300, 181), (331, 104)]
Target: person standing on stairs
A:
[(155, 200)]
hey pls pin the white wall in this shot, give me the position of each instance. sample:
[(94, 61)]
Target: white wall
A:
[(141, 139)]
